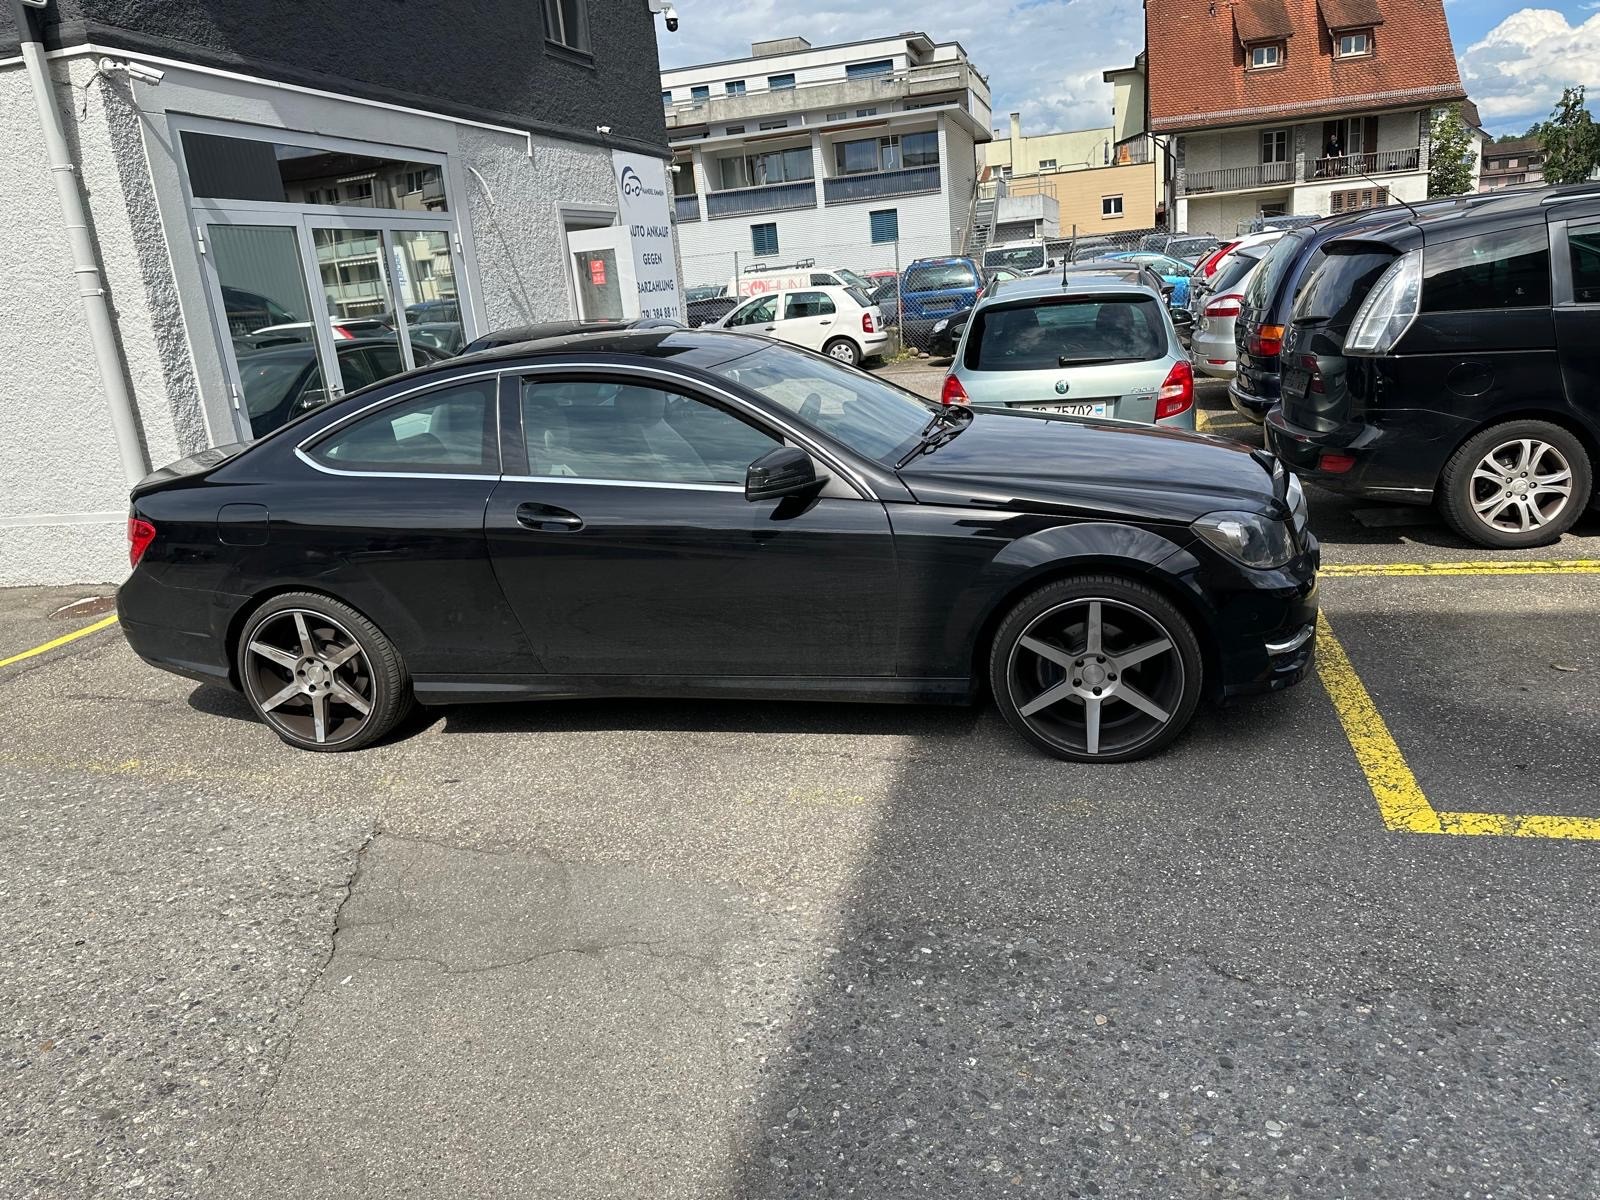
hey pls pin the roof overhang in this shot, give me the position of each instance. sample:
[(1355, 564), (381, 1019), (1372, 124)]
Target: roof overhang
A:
[(1306, 109)]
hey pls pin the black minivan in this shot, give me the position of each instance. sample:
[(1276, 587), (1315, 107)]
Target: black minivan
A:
[(1455, 359)]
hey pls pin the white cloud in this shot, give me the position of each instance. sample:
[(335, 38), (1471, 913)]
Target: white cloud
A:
[(1053, 80), (1516, 73)]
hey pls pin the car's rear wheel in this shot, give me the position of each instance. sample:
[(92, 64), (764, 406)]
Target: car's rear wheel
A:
[(1520, 484), (1096, 669), (844, 350), (320, 674)]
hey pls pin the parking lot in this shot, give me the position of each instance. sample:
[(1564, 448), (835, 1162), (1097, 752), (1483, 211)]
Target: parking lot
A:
[(1335, 942)]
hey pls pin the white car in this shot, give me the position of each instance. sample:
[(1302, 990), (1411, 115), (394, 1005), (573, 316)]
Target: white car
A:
[(766, 280), (841, 322)]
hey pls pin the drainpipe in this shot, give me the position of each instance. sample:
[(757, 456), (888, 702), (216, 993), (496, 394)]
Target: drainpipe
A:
[(85, 259)]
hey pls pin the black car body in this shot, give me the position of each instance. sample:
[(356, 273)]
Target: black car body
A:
[(515, 334), (674, 513), (1500, 347)]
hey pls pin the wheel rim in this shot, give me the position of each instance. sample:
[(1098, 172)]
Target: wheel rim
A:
[(843, 352), (309, 677), (1521, 485), (1096, 676)]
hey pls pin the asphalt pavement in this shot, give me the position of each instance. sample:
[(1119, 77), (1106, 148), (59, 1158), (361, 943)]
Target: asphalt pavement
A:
[(629, 949)]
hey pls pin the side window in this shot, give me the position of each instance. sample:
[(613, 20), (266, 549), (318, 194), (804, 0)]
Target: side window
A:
[(807, 304), (1498, 270), (822, 279), (600, 429), (757, 312), (450, 431), (1584, 242)]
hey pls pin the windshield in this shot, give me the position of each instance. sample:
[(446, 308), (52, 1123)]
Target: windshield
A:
[(1019, 258), (1064, 332), (938, 277), (1239, 264), (851, 279), (871, 417)]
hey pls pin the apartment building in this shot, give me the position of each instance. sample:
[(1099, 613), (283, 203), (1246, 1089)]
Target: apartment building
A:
[(286, 208), (1275, 107), (852, 155), (1508, 164)]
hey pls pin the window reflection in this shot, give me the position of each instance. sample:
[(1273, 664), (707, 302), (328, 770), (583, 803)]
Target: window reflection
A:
[(228, 168)]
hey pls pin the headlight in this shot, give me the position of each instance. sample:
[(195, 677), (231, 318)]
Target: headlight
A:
[(1255, 541), (941, 326)]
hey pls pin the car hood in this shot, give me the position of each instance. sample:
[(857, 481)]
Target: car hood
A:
[(1093, 468)]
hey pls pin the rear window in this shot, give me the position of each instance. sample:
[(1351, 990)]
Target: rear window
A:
[(1336, 289), (1497, 270), (940, 277), (1018, 258), (1065, 333), (1239, 264), (1269, 280), (859, 296)]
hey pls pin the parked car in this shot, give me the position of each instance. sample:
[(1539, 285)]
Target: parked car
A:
[(945, 336), (1269, 300), (1174, 270), (1211, 347), (689, 514), (1086, 349), (1203, 281), (887, 297), (289, 333), (704, 291), (512, 335), (763, 281), (1024, 257), (1191, 247), (933, 288), (433, 312), (248, 311), (282, 382), (447, 337), (841, 322), (1455, 359)]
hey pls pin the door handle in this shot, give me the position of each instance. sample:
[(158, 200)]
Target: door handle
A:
[(770, 328), (547, 518), (828, 322)]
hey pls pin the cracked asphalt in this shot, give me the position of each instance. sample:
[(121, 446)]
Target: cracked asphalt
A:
[(766, 950)]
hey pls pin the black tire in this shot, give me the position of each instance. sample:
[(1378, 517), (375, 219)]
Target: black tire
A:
[(844, 350), (1481, 501), (1132, 619), (300, 675)]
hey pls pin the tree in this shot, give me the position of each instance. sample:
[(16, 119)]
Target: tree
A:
[(1571, 140), (1450, 160)]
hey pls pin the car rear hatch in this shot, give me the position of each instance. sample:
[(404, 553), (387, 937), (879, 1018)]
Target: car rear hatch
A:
[(1084, 354), (1258, 330), (1316, 391)]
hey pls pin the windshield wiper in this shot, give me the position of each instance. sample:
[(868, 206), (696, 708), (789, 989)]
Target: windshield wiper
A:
[(949, 421), (1064, 361)]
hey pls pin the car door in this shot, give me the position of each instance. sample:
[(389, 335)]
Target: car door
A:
[(1577, 312), (627, 546), (808, 319)]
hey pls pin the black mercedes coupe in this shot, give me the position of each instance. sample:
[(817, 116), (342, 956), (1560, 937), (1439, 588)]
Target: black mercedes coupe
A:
[(698, 514)]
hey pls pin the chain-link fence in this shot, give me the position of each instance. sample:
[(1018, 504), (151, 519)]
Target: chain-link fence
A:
[(912, 295)]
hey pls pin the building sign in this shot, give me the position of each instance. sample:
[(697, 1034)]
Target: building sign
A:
[(597, 272), (647, 217)]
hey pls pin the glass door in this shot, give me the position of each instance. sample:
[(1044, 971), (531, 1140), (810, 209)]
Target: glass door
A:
[(425, 278), (602, 273)]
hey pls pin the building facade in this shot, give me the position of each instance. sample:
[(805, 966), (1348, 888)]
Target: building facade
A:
[(287, 209), (854, 156), (1509, 164), (1295, 107)]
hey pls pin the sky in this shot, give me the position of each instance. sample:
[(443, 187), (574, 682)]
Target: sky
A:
[(1044, 58)]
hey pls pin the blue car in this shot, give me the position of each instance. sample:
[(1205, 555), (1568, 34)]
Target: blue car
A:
[(932, 289), (1174, 270)]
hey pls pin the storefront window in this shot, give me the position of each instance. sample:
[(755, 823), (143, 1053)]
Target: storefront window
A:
[(228, 168)]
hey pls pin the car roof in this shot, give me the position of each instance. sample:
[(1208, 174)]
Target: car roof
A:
[(938, 260), (1036, 286), (699, 348), (1470, 213)]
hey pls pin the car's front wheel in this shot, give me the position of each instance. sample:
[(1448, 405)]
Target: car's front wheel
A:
[(1096, 669), (1520, 484), (320, 674), (844, 350)]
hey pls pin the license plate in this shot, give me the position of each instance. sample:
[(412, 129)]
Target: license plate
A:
[(1071, 410)]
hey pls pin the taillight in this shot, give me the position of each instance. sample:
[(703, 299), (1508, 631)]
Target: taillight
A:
[(140, 535), (339, 331), (866, 323), (1225, 306), (1177, 391), (1335, 464), (953, 392), (1214, 259), (1265, 341)]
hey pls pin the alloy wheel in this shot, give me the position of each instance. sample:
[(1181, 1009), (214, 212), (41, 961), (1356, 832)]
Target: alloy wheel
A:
[(1096, 676), (1521, 485), (309, 677)]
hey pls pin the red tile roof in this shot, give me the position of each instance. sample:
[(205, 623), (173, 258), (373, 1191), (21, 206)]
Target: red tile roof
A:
[(1262, 21), (1197, 76)]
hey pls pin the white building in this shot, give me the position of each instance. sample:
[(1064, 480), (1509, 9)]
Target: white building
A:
[(839, 155)]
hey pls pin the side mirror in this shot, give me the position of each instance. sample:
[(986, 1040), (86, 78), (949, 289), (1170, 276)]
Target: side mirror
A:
[(786, 471)]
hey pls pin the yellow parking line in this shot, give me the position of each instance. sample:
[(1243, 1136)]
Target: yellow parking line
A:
[(1400, 798), (1568, 566), (60, 641)]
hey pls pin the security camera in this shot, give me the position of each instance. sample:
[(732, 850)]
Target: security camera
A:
[(602, 129), (664, 7), (145, 74)]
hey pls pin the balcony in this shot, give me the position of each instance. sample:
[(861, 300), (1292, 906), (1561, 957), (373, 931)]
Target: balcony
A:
[(686, 208), (1237, 179), (1379, 162), (845, 189), (772, 197)]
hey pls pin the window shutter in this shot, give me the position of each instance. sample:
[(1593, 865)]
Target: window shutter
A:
[(885, 225), (1369, 136)]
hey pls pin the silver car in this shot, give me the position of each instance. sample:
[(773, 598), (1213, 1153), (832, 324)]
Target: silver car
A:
[(1211, 345), (1085, 348)]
